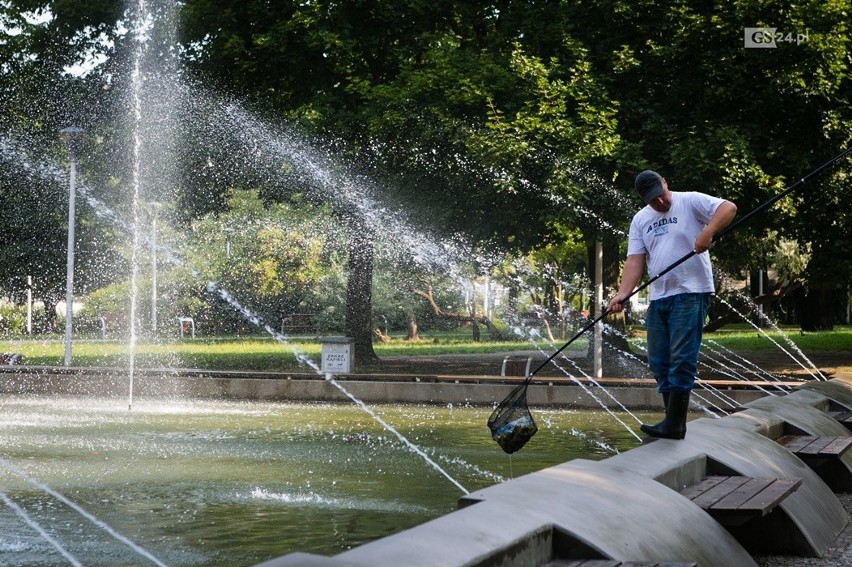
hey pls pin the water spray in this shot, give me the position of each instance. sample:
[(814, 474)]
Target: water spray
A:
[(511, 423), (728, 229)]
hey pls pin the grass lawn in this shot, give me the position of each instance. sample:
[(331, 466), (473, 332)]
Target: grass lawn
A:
[(750, 339), (259, 353)]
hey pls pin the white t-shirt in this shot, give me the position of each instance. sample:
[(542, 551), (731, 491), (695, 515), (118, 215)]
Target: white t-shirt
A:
[(667, 237)]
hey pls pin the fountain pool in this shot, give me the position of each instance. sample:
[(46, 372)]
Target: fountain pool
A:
[(236, 483)]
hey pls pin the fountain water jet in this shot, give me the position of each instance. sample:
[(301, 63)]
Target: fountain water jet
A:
[(364, 204), (255, 320), (734, 374), (752, 368), (77, 508), (251, 317), (590, 393), (40, 530), (793, 345)]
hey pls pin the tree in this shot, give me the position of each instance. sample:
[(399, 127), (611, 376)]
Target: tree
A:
[(717, 117), (275, 256), (482, 119)]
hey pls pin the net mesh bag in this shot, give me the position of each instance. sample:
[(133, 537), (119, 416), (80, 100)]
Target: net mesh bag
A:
[(511, 422)]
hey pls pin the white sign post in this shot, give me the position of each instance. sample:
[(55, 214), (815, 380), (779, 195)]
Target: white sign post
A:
[(336, 355)]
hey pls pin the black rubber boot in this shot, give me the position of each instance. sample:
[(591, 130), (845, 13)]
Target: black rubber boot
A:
[(674, 425), (665, 405)]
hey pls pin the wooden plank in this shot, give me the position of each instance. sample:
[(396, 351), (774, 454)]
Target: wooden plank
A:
[(809, 445), (815, 446), (837, 447), (726, 496), (739, 496), (694, 490), (709, 498), (795, 443), (769, 498)]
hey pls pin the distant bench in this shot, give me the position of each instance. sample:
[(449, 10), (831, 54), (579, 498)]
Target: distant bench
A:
[(298, 322), (516, 366), (733, 500), (113, 322), (186, 325)]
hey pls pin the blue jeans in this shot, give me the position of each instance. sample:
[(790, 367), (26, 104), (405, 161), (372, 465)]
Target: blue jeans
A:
[(674, 326)]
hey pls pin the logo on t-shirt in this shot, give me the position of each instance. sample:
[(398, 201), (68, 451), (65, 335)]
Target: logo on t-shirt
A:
[(661, 226)]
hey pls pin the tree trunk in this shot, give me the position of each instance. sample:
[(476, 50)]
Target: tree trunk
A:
[(471, 309), (359, 290), (512, 311), (815, 308), (377, 332), (48, 323), (474, 319), (413, 333)]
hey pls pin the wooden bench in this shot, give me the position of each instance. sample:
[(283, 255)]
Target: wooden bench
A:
[(844, 417), (516, 366), (734, 500), (186, 325), (823, 455), (612, 563), (807, 446), (114, 322), (298, 322)]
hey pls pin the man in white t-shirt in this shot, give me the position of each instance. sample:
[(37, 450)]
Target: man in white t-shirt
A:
[(671, 226)]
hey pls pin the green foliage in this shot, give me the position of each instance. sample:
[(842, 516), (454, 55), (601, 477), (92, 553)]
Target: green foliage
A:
[(113, 299), (791, 259), (13, 319), (281, 256), (500, 125)]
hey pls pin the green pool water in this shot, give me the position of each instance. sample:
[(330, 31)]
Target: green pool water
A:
[(194, 483)]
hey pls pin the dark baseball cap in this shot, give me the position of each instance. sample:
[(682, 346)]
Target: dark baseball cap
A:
[(649, 184)]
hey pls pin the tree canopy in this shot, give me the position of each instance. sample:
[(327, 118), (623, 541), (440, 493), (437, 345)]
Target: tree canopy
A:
[(508, 125)]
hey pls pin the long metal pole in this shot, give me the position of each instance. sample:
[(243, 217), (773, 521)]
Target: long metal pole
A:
[(154, 271), (29, 305), (69, 276)]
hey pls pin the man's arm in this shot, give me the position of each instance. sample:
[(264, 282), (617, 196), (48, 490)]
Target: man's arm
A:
[(634, 268), (721, 218)]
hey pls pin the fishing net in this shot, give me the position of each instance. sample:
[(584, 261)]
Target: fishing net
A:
[(511, 422)]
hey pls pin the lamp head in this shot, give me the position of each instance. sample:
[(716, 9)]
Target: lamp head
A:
[(70, 136)]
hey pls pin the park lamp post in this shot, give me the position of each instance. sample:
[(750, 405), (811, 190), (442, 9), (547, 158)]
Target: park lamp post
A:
[(155, 209), (70, 136), (228, 233)]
